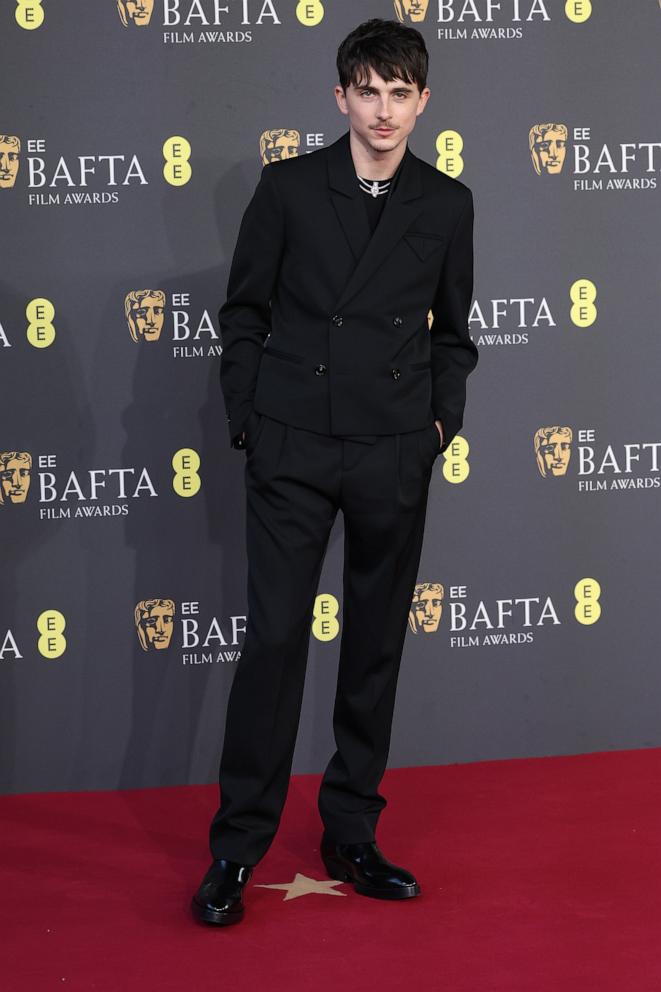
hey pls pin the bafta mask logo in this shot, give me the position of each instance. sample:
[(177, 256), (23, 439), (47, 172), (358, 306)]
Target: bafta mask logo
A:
[(279, 143), (553, 450), (154, 619), (15, 470), (413, 11), (426, 607), (548, 146), (145, 310), (10, 147), (135, 13)]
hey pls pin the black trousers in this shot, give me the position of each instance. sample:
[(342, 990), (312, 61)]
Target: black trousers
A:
[(296, 481)]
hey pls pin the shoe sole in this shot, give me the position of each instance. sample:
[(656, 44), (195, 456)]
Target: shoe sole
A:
[(216, 917), (342, 875)]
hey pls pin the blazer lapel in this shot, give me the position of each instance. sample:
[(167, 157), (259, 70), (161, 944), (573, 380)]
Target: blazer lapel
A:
[(400, 211)]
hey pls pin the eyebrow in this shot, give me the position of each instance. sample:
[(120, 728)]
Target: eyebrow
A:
[(408, 89)]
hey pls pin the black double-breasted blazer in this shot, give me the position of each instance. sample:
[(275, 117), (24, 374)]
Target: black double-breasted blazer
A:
[(325, 326)]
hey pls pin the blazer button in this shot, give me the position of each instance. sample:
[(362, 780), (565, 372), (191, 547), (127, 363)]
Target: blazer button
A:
[(320, 370), (396, 373), (397, 321), (337, 320)]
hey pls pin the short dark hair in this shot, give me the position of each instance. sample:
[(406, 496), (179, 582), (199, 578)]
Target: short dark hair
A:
[(393, 50)]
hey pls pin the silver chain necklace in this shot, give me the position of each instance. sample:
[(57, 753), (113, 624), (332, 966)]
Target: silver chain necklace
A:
[(374, 187)]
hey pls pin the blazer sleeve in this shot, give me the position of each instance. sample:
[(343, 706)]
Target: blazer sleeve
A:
[(245, 317), (453, 353)]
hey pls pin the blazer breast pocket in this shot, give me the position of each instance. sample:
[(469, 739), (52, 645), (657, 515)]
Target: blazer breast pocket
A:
[(424, 243)]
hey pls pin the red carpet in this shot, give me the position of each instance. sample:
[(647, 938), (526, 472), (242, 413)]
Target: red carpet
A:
[(537, 875)]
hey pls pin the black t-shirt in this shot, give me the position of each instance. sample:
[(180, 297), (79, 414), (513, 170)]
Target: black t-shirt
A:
[(374, 205)]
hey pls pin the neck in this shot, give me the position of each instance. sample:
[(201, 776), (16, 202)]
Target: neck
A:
[(373, 164)]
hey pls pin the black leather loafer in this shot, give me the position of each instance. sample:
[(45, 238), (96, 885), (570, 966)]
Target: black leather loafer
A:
[(219, 897), (365, 866)]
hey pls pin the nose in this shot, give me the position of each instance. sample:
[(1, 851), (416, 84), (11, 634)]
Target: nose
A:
[(383, 110)]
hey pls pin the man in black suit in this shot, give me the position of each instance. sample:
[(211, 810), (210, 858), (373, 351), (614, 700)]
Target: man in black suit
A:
[(342, 397)]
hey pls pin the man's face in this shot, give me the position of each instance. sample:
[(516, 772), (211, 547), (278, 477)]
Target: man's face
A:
[(411, 10), (147, 318), (15, 481), (158, 627), (427, 608), (551, 150), (377, 104), (139, 11), (8, 164), (555, 453), (283, 147)]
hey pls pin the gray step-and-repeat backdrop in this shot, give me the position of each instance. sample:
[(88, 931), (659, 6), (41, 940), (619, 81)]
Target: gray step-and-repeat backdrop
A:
[(132, 135)]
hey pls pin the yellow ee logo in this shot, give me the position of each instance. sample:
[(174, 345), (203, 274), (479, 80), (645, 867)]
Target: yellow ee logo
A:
[(449, 145), (52, 642), (587, 593), (583, 293), (578, 11), (29, 14), (176, 152), (40, 332), (310, 12), (325, 625), (186, 481), (455, 460)]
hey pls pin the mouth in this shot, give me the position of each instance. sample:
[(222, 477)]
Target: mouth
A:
[(384, 130)]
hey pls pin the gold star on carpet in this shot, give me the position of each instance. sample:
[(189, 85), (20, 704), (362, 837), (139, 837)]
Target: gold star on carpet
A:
[(303, 886)]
